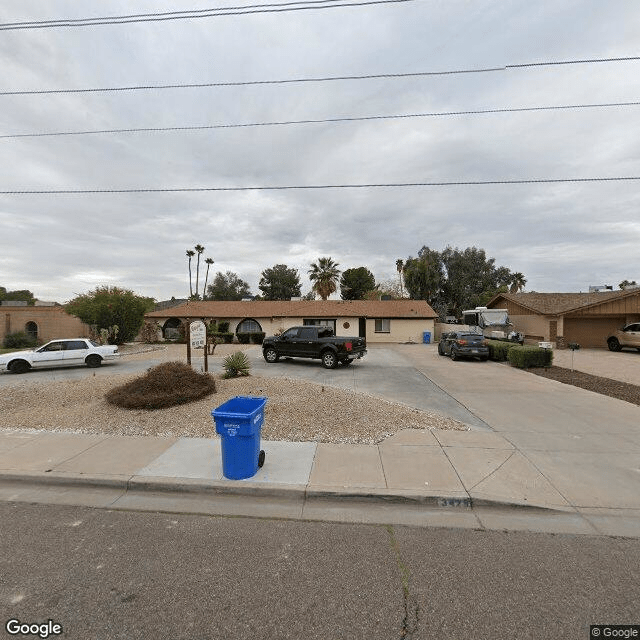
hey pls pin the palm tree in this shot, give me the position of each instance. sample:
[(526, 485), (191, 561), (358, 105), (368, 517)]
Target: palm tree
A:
[(209, 262), (517, 282), (190, 255), (324, 274), (399, 268), (200, 249)]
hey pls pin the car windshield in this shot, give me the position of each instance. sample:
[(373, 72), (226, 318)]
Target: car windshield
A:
[(93, 343)]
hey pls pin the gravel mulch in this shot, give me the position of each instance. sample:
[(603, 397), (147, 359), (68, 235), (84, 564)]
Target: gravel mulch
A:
[(604, 386), (295, 411)]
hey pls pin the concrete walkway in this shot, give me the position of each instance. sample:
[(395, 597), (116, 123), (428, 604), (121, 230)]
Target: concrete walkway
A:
[(569, 456)]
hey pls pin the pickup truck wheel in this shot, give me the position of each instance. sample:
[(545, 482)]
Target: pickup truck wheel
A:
[(329, 360), (613, 344), (270, 355), (93, 361), (20, 366)]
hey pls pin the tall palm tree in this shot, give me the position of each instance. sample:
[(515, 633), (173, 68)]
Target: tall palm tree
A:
[(324, 274), (190, 255), (399, 268), (209, 262), (517, 282), (200, 249)]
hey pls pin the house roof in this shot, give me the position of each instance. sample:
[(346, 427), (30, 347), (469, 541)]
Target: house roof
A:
[(300, 308), (560, 303)]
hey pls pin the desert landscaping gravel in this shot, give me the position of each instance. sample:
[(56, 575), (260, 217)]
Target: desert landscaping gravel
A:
[(296, 410)]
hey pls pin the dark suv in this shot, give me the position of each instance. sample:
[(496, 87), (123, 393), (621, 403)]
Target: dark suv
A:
[(462, 344)]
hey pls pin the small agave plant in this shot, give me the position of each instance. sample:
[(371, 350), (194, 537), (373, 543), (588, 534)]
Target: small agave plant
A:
[(235, 365)]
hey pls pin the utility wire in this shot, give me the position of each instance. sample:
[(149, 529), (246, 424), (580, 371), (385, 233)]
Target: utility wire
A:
[(322, 121), (304, 5), (377, 76), (462, 183)]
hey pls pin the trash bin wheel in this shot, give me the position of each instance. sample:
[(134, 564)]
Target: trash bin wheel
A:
[(260, 458)]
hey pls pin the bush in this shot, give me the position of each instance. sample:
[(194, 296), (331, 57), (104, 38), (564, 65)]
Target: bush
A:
[(499, 350), (244, 338), (165, 385), (235, 365), (525, 357), (19, 340), (223, 326), (258, 337), (227, 338)]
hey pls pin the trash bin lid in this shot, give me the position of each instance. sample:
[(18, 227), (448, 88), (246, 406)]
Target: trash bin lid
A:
[(240, 407)]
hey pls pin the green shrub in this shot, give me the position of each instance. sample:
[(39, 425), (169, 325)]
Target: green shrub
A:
[(235, 365), (525, 357), (212, 328), (165, 385), (223, 326), (258, 337), (498, 350), (227, 338), (19, 340), (244, 338)]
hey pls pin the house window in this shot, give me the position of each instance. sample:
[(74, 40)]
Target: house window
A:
[(249, 325), (383, 325), (320, 322), (31, 329)]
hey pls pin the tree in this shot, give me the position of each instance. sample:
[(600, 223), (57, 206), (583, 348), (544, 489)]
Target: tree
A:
[(20, 294), (228, 286), (423, 276), (190, 255), (279, 283), (400, 269), (324, 274), (109, 307), (517, 283), (209, 262), (199, 250), (626, 283), (355, 283)]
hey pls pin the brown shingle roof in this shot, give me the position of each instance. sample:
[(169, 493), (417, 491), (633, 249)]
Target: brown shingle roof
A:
[(559, 303), (300, 308)]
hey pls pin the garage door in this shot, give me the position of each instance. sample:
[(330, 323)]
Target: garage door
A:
[(591, 332)]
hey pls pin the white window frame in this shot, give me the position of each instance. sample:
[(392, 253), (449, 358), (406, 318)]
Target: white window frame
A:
[(384, 326)]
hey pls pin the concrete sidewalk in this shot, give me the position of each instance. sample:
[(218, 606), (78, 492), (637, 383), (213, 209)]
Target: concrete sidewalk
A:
[(473, 479)]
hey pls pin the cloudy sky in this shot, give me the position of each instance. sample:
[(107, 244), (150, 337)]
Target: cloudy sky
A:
[(561, 236)]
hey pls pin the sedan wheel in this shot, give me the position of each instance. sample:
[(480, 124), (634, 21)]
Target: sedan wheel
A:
[(454, 354), (441, 350), (93, 361), (20, 366), (270, 355)]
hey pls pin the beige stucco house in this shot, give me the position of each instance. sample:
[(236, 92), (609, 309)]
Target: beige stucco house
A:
[(43, 322), (376, 320), (562, 318)]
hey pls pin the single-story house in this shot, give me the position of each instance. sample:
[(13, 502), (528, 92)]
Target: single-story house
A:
[(376, 320), (44, 321), (563, 318)]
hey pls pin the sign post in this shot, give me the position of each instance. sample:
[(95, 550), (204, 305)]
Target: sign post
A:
[(198, 339)]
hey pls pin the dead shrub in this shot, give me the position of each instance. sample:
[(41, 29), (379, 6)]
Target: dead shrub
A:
[(165, 385)]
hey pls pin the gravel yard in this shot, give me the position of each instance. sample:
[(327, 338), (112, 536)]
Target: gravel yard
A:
[(296, 410)]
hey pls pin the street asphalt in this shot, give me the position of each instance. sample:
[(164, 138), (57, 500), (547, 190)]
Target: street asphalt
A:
[(538, 456)]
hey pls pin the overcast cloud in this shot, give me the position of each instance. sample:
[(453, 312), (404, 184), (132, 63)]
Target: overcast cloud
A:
[(562, 237)]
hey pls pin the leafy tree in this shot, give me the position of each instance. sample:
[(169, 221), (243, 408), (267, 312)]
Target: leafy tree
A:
[(627, 283), (424, 275), (279, 283), (324, 274), (109, 307), (228, 286), (355, 283), (21, 294)]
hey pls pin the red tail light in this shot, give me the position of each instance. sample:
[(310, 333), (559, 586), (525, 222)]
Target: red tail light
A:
[(461, 342), (348, 346)]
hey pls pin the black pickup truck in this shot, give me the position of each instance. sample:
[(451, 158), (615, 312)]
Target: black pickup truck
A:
[(314, 342)]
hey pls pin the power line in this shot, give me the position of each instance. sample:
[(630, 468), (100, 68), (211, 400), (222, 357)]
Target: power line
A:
[(322, 121), (461, 183), (303, 5), (376, 76)]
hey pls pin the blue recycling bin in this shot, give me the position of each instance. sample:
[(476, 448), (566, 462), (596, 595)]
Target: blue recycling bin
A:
[(426, 337), (238, 422)]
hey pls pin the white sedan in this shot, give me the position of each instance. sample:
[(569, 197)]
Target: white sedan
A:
[(59, 353)]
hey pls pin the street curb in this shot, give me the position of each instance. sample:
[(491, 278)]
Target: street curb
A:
[(239, 488)]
